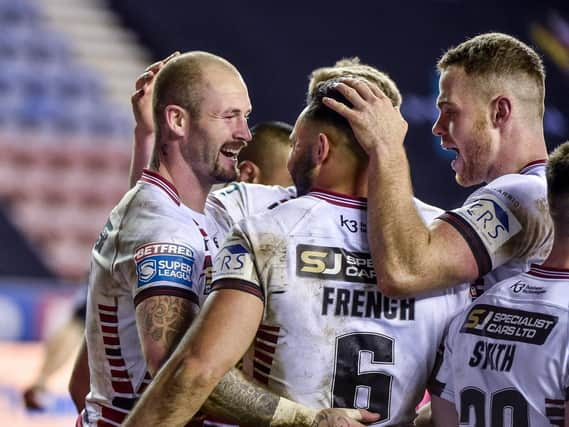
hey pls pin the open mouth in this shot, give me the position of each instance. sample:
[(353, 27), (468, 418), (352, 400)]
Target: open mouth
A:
[(231, 150)]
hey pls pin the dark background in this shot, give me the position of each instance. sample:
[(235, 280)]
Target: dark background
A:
[(276, 45)]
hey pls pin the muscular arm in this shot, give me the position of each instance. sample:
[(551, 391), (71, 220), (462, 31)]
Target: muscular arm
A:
[(408, 256), (141, 101), (162, 322), (443, 412), (214, 343)]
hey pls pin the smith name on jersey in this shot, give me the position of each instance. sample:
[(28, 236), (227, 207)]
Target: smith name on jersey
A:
[(507, 355), (328, 336)]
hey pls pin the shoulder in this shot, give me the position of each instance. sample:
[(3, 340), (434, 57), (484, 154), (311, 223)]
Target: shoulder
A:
[(515, 189)]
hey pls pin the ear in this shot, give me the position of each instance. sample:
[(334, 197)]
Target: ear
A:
[(501, 111), (249, 172), (176, 118), (323, 148)]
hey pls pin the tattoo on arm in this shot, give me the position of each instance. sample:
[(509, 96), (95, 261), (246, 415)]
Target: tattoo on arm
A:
[(239, 399), (163, 321)]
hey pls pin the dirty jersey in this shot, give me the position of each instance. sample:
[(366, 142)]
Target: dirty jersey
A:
[(328, 337), (506, 224)]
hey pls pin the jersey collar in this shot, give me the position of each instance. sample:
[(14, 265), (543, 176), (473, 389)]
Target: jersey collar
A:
[(532, 166), (154, 178), (339, 199), (548, 272)]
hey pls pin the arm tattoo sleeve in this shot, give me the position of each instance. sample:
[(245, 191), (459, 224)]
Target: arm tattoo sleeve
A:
[(239, 399), (165, 319)]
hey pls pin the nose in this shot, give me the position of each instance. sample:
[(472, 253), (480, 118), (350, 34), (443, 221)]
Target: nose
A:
[(438, 128), (242, 131)]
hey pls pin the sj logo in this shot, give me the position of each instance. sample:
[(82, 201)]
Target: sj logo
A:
[(314, 262)]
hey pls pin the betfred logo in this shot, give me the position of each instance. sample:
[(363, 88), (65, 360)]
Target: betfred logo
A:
[(164, 263), (162, 249)]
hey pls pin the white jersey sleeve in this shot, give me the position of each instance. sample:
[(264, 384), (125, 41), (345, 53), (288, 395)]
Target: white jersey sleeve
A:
[(506, 223)]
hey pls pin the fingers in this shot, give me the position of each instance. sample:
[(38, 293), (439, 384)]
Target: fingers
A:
[(159, 64), (339, 107), (367, 416)]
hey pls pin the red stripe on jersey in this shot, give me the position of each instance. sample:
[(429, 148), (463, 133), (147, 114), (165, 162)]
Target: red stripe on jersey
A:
[(270, 328), (154, 178), (107, 318), (339, 199), (530, 165), (113, 414), (554, 402), (546, 272), (111, 340), (265, 347), (116, 362), (122, 373), (261, 378), (103, 423), (112, 308), (109, 329), (263, 357), (555, 411), (265, 336), (142, 388), (122, 387)]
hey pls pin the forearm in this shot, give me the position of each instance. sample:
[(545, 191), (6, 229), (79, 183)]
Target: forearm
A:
[(398, 237), (79, 383), (241, 400), (141, 153)]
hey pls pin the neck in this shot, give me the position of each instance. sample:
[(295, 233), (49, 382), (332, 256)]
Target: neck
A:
[(559, 255), (351, 182), (520, 148), (193, 193)]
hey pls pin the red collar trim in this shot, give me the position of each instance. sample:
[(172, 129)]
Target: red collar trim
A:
[(153, 177), (527, 168), (546, 272), (339, 199)]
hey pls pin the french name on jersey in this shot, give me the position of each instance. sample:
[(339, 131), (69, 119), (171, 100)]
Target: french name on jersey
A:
[(334, 264), (365, 303), (164, 262), (233, 261), (493, 356), (492, 219), (508, 324)]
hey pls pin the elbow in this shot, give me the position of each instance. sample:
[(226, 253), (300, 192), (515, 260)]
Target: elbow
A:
[(397, 283)]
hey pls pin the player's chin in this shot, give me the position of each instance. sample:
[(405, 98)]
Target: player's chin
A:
[(225, 173)]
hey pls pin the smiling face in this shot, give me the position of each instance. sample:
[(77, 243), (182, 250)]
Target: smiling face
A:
[(214, 138), (464, 127)]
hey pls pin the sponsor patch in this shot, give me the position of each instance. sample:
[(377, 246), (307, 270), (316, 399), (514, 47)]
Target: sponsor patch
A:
[(334, 263), (508, 324), (492, 219), (234, 261), (164, 262)]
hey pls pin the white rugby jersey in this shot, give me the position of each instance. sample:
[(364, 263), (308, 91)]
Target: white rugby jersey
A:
[(506, 357), (152, 245), (239, 200), (506, 224), (328, 336)]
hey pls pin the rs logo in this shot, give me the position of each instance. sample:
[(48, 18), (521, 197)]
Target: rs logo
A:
[(314, 262)]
